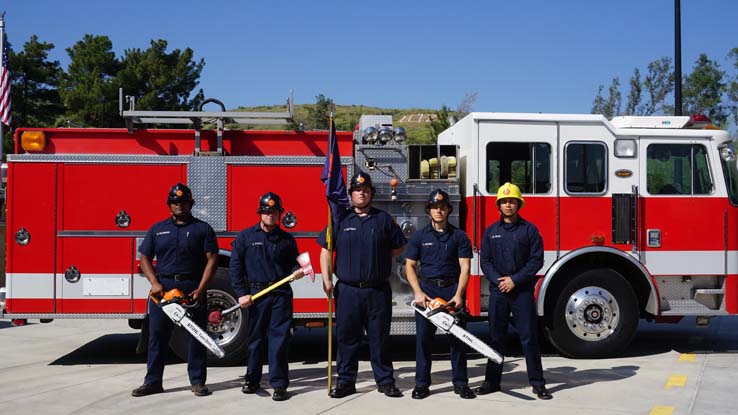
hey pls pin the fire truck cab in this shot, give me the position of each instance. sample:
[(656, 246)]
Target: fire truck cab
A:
[(638, 216)]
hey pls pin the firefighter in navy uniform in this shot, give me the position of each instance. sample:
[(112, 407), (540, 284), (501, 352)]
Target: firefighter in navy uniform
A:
[(186, 254), (444, 253), (262, 255), (512, 253), (366, 239)]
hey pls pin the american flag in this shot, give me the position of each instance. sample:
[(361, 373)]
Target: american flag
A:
[(5, 116)]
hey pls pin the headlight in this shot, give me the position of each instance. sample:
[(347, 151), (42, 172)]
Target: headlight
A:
[(370, 135), (385, 135), (400, 134)]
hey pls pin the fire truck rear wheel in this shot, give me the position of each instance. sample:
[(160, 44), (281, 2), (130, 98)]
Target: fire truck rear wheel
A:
[(230, 332), (596, 315)]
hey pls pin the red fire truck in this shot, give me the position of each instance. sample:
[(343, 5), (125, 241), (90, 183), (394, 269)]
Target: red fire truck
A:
[(638, 214)]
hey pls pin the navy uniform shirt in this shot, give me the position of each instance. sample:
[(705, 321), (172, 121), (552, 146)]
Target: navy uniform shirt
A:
[(439, 252), (364, 246), (514, 249), (260, 257), (179, 249)]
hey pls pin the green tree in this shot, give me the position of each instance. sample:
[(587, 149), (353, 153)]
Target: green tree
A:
[(703, 91), (160, 80), (635, 95), (732, 88), (659, 83), (318, 115), (440, 122), (87, 88), (35, 82), (609, 107)]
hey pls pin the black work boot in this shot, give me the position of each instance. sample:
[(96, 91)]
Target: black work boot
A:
[(250, 387), (420, 392), (147, 389), (280, 394), (200, 389), (343, 390), (464, 392), (486, 388), (389, 389), (542, 392)]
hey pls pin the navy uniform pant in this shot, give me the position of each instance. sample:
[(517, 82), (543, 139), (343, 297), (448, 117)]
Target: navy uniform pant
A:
[(358, 309), (424, 340), (270, 323), (521, 304), (160, 330)]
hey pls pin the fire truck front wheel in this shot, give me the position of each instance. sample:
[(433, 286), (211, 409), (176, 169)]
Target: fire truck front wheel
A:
[(596, 315), (229, 331)]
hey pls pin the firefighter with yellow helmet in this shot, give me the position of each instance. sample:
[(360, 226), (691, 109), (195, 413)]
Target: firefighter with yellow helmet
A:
[(512, 254)]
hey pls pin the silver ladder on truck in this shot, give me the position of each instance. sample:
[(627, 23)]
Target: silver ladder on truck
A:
[(199, 118)]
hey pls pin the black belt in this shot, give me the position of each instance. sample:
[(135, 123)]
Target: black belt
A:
[(178, 277), (261, 285), (365, 284), (440, 282)]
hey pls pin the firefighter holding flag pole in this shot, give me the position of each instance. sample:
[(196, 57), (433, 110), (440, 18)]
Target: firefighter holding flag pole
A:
[(364, 240)]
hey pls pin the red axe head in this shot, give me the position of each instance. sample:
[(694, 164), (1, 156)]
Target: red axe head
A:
[(304, 260)]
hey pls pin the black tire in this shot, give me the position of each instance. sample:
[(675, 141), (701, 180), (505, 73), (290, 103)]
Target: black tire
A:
[(595, 315), (231, 334)]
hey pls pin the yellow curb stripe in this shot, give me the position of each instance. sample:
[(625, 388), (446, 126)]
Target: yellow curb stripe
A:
[(676, 380), (662, 410), (687, 357)]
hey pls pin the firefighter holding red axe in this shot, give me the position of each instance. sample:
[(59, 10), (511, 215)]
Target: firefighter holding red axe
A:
[(262, 255)]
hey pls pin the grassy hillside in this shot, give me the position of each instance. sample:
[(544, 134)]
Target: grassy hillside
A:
[(414, 120)]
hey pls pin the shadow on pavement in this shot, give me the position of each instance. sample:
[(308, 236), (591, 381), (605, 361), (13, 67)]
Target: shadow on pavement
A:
[(108, 349)]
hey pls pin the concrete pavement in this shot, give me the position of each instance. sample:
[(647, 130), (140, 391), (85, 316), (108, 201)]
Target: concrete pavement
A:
[(89, 366)]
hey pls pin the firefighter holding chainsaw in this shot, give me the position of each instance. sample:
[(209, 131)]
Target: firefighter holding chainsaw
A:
[(262, 255), (512, 253), (444, 253), (366, 240), (186, 254)]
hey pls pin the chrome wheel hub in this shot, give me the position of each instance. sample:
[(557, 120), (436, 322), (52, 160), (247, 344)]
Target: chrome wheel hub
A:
[(592, 313), (226, 328)]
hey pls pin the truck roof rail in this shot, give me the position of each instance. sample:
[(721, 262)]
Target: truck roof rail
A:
[(198, 118)]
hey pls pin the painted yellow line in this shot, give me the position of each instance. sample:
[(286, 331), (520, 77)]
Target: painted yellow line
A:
[(662, 410), (687, 357), (676, 380)]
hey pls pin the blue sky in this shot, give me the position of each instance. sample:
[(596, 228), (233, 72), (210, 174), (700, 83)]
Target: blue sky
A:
[(519, 56)]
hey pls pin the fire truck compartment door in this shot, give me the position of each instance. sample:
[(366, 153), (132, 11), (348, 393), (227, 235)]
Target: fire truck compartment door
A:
[(95, 274), (94, 195)]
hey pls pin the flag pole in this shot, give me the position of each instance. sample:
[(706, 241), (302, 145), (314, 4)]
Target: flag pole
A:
[(2, 48), (329, 236)]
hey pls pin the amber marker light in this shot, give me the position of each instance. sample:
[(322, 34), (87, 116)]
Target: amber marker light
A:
[(33, 141), (598, 239)]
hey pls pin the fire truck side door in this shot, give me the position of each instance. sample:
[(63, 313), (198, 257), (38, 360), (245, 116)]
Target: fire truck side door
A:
[(525, 154), (681, 232)]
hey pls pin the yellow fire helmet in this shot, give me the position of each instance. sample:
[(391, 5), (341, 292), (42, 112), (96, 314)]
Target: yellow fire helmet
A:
[(509, 190)]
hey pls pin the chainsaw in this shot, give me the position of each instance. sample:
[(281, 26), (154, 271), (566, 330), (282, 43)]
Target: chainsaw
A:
[(175, 305), (443, 316)]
